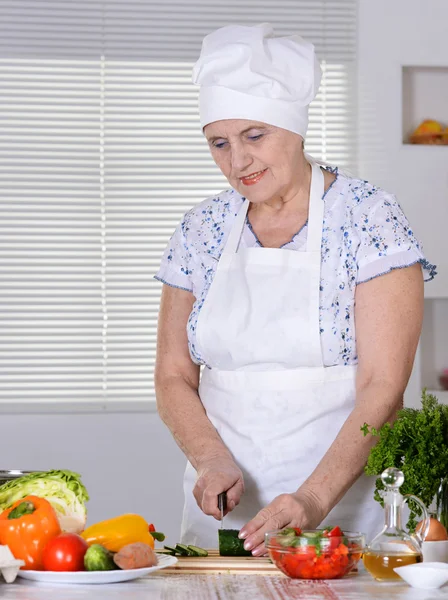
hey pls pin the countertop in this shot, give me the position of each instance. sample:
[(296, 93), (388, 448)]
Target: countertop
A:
[(223, 587)]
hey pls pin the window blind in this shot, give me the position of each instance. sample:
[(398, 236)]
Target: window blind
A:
[(100, 155)]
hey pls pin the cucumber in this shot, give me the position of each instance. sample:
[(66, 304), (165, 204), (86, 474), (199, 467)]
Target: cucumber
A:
[(182, 549), (287, 537), (310, 535), (198, 551), (287, 540), (230, 544)]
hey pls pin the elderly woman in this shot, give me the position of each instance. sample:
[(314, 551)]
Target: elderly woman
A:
[(300, 292)]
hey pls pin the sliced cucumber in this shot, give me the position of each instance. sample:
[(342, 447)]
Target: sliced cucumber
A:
[(198, 551), (182, 549), (287, 540), (287, 531)]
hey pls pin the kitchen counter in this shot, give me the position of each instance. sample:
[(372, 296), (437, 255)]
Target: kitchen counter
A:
[(223, 587)]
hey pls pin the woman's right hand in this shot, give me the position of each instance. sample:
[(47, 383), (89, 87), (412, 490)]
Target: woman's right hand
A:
[(217, 475)]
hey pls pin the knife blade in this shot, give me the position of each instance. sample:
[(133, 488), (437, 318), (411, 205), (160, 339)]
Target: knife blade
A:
[(222, 505)]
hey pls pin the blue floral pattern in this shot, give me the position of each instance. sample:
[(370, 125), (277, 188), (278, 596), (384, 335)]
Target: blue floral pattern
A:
[(365, 235)]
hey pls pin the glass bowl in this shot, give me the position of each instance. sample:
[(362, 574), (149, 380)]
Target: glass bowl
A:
[(314, 554)]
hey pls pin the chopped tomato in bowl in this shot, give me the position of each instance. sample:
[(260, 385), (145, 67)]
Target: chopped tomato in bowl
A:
[(315, 554)]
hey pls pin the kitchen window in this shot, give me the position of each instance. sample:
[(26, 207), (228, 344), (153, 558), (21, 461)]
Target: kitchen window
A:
[(101, 154)]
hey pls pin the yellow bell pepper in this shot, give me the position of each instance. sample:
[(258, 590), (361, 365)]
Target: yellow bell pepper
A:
[(118, 532)]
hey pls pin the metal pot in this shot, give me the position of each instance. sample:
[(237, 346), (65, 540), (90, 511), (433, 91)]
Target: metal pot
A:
[(12, 474)]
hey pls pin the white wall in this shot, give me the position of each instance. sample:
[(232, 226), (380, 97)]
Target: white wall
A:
[(434, 342)]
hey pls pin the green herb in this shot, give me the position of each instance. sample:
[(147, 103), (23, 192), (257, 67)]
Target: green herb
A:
[(416, 443)]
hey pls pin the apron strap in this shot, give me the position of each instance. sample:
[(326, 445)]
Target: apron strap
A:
[(316, 210), (237, 228)]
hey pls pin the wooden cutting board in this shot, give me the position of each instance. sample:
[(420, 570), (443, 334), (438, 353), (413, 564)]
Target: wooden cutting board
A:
[(214, 563)]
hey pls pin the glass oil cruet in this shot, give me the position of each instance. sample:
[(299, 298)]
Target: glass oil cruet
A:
[(393, 547)]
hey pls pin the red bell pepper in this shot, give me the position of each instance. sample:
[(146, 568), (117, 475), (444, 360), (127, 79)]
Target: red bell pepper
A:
[(26, 528)]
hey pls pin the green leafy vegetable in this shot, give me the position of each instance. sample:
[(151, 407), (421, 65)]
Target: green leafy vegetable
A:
[(417, 444), (63, 489)]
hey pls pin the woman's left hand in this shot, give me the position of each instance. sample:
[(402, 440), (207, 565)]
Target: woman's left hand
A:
[(287, 510)]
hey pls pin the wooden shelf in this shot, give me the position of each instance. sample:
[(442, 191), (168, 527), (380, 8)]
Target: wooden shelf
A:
[(425, 146)]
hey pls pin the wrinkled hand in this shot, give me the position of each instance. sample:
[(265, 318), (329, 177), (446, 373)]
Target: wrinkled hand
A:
[(216, 475), (287, 510)]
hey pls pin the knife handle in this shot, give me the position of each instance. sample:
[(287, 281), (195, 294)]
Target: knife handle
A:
[(222, 501)]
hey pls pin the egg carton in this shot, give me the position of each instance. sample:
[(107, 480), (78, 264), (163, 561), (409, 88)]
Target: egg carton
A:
[(9, 566)]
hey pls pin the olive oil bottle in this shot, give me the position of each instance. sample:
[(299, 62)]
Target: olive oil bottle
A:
[(393, 547), (381, 565)]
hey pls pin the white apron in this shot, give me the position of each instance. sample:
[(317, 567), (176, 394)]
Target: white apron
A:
[(268, 394)]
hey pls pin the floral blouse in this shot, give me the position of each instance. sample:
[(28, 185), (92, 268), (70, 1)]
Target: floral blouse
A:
[(365, 234)]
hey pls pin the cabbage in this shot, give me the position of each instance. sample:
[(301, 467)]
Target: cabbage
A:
[(63, 489)]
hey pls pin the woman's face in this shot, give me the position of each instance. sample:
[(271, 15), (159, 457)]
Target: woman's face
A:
[(260, 161)]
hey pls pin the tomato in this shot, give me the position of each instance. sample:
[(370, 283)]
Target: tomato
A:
[(306, 563), (335, 532), (294, 564), (65, 552), (334, 536)]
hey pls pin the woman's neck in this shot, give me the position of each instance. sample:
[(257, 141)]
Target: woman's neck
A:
[(293, 199)]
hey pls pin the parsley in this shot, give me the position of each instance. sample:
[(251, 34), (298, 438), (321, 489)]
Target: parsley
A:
[(416, 443)]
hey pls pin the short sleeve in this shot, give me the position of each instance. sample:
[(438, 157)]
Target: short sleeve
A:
[(387, 240), (176, 265)]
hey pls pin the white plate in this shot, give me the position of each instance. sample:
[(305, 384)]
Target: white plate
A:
[(96, 576)]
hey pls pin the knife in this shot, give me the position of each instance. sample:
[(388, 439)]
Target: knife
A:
[(222, 505)]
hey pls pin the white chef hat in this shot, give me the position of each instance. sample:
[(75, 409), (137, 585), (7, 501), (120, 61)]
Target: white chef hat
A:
[(247, 73)]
